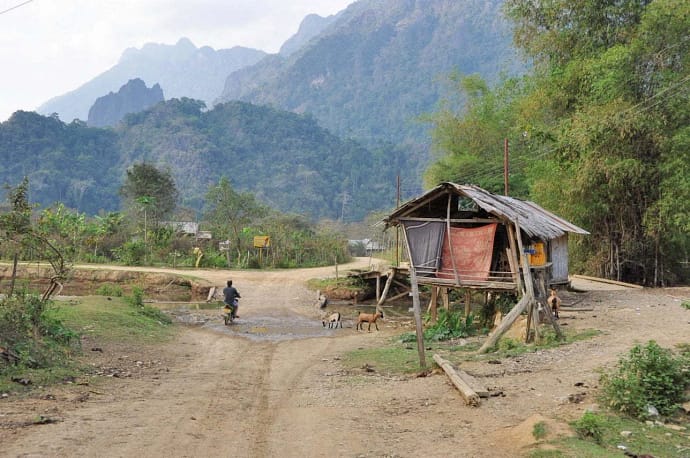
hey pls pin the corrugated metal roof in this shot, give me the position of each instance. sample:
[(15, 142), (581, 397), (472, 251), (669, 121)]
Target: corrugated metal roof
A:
[(532, 219)]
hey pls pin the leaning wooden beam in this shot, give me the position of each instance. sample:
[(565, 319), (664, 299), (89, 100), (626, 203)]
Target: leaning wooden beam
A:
[(506, 323), (399, 296), (471, 398), (389, 282)]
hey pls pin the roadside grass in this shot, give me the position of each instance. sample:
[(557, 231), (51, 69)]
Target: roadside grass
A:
[(638, 438), (388, 359), (101, 319), (112, 320), (400, 355)]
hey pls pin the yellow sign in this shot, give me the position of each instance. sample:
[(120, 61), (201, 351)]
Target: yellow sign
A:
[(262, 241)]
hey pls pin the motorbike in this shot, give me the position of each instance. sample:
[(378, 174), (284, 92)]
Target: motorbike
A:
[(228, 312)]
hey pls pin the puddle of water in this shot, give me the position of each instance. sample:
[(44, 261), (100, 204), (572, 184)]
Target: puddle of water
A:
[(273, 329)]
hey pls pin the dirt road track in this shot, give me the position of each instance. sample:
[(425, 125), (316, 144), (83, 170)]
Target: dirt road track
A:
[(217, 394)]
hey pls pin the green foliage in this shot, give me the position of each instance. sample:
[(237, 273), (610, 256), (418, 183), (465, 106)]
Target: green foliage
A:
[(450, 325), (590, 426), (539, 430), (132, 253), (149, 194), (599, 130), (649, 376), (136, 299), (74, 163), (32, 334), (107, 289)]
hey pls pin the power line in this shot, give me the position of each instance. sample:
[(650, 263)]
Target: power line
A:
[(15, 7)]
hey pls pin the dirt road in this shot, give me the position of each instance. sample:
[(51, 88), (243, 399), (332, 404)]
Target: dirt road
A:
[(236, 392)]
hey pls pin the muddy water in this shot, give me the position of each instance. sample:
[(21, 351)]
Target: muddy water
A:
[(283, 324)]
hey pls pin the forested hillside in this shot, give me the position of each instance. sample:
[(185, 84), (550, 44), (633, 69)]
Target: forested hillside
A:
[(70, 163), (381, 64), (598, 132), (287, 160)]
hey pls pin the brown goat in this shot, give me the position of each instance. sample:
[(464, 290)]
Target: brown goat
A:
[(369, 318), (555, 302)]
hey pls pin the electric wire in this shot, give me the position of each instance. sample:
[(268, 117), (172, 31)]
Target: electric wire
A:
[(15, 7)]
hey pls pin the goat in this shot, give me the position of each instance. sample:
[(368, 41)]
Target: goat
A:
[(333, 320), (368, 318), (554, 302)]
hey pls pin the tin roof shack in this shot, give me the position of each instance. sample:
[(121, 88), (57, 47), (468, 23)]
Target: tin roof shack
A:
[(463, 236)]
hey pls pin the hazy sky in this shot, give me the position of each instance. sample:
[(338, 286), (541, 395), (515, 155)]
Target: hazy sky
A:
[(49, 47)]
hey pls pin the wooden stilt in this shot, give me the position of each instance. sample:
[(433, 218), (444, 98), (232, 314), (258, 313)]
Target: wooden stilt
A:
[(389, 282), (433, 303), (468, 298), (445, 298), (378, 287)]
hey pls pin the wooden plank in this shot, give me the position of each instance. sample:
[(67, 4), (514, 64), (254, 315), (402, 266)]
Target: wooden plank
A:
[(506, 323), (606, 280), (470, 396), (475, 384), (462, 220)]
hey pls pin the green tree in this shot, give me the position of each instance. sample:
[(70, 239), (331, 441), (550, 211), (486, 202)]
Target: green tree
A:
[(15, 225), (227, 212), (149, 193), (605, 118)]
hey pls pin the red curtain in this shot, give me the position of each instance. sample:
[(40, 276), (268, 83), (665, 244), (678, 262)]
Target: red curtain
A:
[(472, 250)]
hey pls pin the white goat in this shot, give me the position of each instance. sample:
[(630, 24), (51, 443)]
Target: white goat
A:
[(333, 321)]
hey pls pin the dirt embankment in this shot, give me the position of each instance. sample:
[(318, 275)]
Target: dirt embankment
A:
[(217, 391)]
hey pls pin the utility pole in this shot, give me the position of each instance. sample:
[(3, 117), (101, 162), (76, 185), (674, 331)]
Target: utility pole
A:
[(505, 166), (397, 228)]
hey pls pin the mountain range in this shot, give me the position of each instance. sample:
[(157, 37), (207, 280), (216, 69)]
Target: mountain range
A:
[(366, 74), (181, 70)]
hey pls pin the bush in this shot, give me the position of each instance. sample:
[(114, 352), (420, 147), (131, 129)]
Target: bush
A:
[(136, 300), (449, 326), (649, 376), (30, 334), (109, 290), (590, 426)]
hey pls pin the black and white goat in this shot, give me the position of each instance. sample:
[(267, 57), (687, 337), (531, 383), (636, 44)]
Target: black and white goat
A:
[(333, 321)]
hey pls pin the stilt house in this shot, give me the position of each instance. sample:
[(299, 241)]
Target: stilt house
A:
[(463, 236)]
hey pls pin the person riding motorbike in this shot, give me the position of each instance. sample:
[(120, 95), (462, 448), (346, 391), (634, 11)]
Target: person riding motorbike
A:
[(230, 298)]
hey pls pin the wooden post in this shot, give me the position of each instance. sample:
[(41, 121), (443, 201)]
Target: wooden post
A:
[(445, 298), (529, 285), (468, 298), (378, 286), (450, 242), (506, 323), (389, 282), (433, 303), (416, 307), (515, 256)]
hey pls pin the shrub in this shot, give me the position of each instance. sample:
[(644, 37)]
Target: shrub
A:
[(539, 430), (649, 376), (136, 300), (30, 334), (109, 290), (590, 426)]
